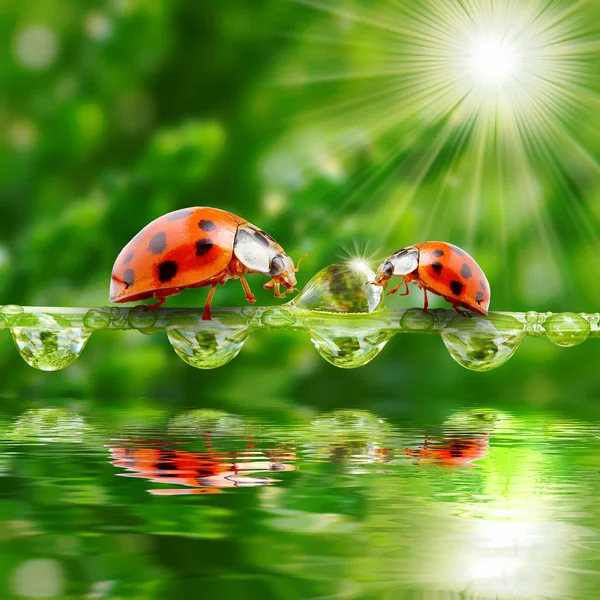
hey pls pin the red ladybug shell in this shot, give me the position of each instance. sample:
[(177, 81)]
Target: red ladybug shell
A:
[(449, 271), (190, 247)]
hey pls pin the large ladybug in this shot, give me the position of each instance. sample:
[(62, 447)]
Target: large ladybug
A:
[(196, 247), (440, 268)]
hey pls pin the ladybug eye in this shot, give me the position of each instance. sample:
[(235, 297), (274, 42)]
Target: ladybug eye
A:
[(277, 266), (387, 269)]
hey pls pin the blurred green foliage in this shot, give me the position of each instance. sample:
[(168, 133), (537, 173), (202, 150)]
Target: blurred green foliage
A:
[(115, 112)]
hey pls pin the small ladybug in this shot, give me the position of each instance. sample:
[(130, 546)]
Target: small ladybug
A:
[(196, 247), (440, 268)]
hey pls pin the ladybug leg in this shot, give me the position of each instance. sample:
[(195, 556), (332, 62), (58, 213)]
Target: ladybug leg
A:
[(278, 292), (249, 295), (462, 313), (206, 315), (426, 301), (147, 307), (405, 283)]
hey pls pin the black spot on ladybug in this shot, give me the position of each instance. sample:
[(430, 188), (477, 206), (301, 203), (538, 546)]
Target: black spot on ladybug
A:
[(479, 297), (438, 253), (167, 270), (128, 278), (483, 284), (179, 214), (465, 271), (207, 225), (203, 246), (458, 250), (456, 287), (158, 243), (437, 267), (128, 258)]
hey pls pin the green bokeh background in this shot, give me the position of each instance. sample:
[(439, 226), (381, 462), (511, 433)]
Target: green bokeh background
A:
[(113, 113)]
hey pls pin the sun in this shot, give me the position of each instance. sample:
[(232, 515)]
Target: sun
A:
[(493, 61)]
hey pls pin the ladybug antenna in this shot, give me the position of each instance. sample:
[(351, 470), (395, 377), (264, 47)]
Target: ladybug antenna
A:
[(298, 266)]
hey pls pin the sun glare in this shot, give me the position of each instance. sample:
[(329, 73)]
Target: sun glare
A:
[(493, 61)]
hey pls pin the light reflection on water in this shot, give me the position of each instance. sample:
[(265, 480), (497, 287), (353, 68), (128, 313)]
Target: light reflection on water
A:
[(484, 504)]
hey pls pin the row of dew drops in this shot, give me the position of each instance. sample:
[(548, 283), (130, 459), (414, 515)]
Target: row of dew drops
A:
[(345, 319)]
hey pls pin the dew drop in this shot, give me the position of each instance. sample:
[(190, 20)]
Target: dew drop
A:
[(415, 319), (208, 344), (341, 288), (142, 320), (567, 329), (9, 313), (483, 344), (118, 317), (532, 316), (278, 317), (97, 318), (48, 343), (348, 347)]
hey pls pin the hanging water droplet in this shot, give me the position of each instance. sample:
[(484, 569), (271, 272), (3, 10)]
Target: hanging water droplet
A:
[(9, 314), (415, 319), (48, 343), (482, 344), (97, 318), (567, 329), (209, 344), (342, 288), (348, 347)]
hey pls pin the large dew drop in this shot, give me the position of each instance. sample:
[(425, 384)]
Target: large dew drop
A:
[(209, 344), (341, 288), (567, 329), (48, 343), (483, 344)]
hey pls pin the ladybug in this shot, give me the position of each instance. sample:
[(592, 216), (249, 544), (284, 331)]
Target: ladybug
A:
[(196, 247), (440, 268)]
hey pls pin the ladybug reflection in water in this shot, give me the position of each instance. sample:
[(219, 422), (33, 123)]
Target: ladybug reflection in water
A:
[(451, 452), (440, 268), (206, 472), (197, 247)]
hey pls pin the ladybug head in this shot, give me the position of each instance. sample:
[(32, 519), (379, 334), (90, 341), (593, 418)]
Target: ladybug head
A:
[(400, 263), (282, 271), (260, 253)]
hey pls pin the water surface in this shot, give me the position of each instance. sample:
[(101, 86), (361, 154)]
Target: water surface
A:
[(345, 504)]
